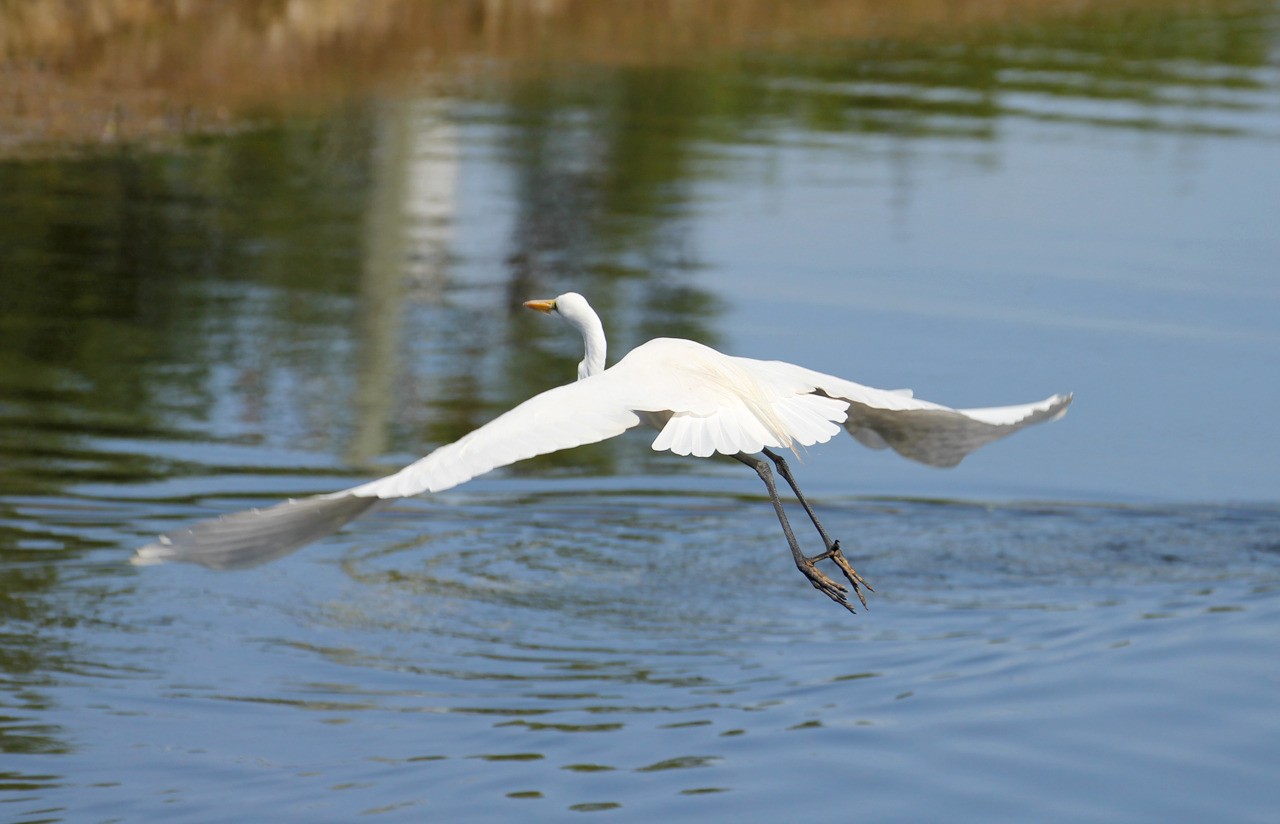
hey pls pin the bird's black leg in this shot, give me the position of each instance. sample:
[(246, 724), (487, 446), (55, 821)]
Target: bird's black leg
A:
[(806, 565), (785, 472), (833, 547)]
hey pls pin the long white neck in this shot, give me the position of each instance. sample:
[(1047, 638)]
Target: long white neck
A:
[(575, 310), (593, 341)]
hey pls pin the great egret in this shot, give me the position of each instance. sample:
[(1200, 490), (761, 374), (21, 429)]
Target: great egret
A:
[(701, 401)]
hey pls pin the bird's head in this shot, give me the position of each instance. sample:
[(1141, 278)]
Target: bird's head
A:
[(574, 310), (569, 306)]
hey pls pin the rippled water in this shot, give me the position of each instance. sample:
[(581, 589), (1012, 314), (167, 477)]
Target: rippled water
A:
[(1077, 624), (521, 653)]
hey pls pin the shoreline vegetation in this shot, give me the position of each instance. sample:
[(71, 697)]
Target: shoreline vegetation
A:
[(76, 77)]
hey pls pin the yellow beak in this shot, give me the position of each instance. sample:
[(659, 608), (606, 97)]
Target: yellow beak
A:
[(540, 305)]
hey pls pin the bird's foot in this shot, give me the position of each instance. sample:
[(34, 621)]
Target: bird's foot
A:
[(836, 592)]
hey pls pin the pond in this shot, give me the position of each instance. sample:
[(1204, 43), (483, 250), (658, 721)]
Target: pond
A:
[(310, 272)]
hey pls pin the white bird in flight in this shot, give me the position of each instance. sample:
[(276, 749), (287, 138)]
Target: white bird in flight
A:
[(702, 402)]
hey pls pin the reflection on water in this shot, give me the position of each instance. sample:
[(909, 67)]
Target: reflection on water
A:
[(161, 290), (293, 301), (140, 69)]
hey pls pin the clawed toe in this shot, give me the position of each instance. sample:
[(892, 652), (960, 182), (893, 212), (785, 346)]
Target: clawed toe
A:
[(834, 591), (825, 585)]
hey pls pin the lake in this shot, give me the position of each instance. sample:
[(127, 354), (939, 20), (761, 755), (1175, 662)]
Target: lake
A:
[(250, 253)]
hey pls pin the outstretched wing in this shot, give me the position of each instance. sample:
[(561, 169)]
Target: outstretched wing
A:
[(255, 536), (923, 431), (579, 413)]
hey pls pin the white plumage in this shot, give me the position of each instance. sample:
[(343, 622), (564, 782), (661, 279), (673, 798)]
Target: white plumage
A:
[(703, 402)]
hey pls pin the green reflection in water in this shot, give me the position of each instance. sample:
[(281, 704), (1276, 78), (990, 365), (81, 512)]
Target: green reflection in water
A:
[(129, 277)]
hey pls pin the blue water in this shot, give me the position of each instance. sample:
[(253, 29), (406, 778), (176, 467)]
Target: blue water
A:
[(1079, 623), (480, 659)]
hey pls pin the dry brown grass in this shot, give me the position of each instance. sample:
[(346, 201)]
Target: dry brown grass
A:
[(76, 73)]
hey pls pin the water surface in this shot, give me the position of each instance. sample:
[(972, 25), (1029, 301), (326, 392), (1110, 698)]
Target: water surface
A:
[(1076, 624)]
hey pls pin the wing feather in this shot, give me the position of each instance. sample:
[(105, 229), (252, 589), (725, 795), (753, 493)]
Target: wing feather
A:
[(567, 416), (255, 536), (923, 431), (561, 418)]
